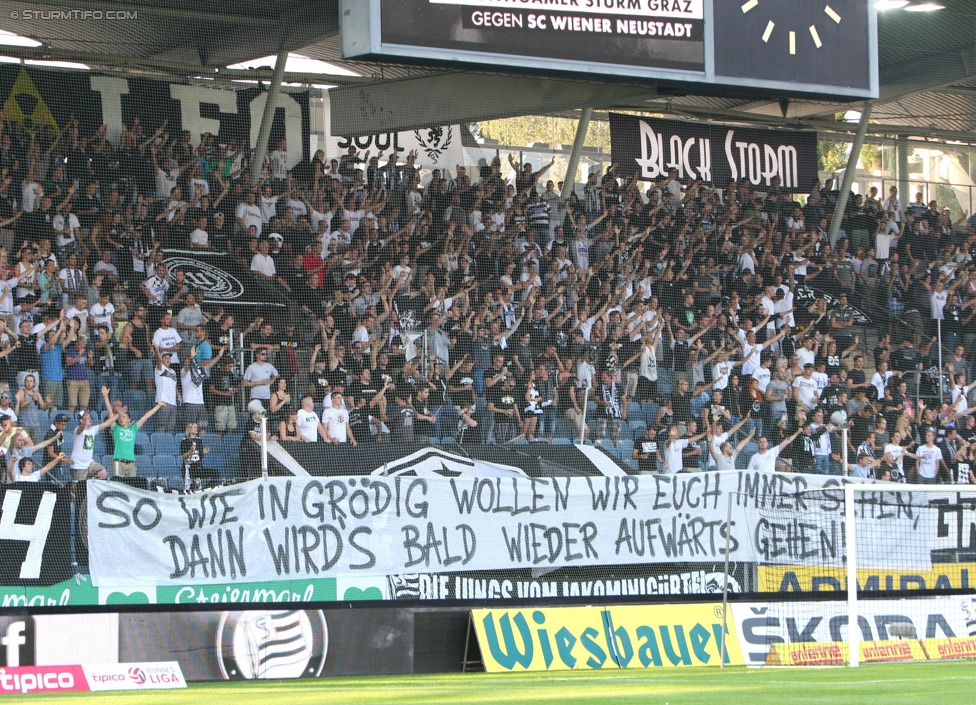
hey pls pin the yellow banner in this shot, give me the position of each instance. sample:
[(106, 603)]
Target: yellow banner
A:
[(947, 576), (954, 648), (576, 638), (836, 653)]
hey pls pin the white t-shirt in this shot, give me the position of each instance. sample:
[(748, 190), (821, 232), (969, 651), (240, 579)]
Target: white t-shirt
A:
[(672, 456), (199, 237), (882, 245), (335, 420), (308, 424), (192, 393), (263, 264), (251, 215), (765, 462), (750, 356), (806, 392), (762, 375), (717, 442), (83, 448), (807, 357), (879, 382), (165, 384), (720, 374), (157, 288), (102, 315), (898, 453), (928, 461), (168, 338)]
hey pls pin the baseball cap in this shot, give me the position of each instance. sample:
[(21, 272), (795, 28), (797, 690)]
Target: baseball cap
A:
[(60, 418)]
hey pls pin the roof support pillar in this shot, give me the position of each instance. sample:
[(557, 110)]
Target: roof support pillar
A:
[(902, 147), (261, 148), (845, 189), (569, 181)]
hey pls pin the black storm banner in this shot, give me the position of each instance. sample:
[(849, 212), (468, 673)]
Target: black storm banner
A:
[(649, 147)]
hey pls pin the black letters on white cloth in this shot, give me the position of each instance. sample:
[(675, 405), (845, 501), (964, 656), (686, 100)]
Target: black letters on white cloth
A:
[(649, 147), (333, 526)]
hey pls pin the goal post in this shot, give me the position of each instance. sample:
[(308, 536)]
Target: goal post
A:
[(856, 572)]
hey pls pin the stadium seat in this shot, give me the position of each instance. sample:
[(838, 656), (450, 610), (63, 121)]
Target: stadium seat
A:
[(212, 441), (144, 467), (232, 442), (520, 441), (135, 399), (167, 468), (164, 443), (144, 444), (632, 464), (607, 445), (633, 410), (650, 409), (561, 441), (625, 449)]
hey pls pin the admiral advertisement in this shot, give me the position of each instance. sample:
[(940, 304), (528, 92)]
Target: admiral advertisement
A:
[(294, 529), (649, 147)]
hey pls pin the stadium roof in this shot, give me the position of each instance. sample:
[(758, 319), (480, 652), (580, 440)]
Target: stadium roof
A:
[(927, 61)]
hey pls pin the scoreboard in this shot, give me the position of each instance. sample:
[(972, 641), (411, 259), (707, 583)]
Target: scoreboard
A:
[(821, 48)]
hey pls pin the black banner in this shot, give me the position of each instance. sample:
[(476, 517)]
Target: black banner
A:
[(45, 97), (570, 583), (649, 147), (223, 281), (34, 534), (272, 644)]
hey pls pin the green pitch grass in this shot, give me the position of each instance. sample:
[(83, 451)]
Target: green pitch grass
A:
[(923, 683)]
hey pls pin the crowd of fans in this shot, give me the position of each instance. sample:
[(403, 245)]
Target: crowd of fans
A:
[(482, 307)]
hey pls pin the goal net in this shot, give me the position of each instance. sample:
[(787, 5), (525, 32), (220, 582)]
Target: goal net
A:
[(896, 561)]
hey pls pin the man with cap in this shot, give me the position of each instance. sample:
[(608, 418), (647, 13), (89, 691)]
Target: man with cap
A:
[(83, 465), (167, 390)]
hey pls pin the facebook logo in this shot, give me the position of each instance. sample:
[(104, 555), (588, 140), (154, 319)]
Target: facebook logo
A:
[(35, 534), (17, 641)]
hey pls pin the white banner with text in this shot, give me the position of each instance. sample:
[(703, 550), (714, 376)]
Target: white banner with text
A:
[(341, 526)]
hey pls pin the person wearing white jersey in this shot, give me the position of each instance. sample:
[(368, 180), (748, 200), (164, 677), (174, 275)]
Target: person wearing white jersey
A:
[(309, 424), (929, 457), (765, 459)]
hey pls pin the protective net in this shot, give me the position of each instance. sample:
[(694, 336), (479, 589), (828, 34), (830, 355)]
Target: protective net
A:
[(486, 365), (914, 598)]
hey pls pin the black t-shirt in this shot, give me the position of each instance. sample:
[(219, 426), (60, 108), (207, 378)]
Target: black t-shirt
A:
[(503, 399), (423, 427), (221, 338), (831, 361), (194, 461), (358, 421), (57, 446), (26, 356)]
